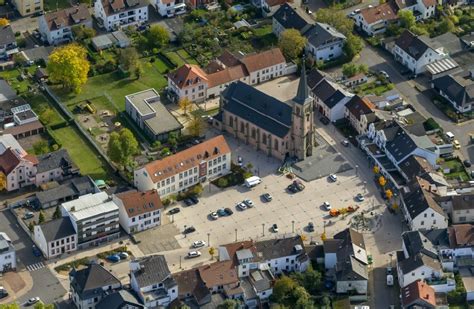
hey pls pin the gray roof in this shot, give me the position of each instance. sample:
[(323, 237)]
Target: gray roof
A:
[(458, 89), (261, 279), (280, 247), (315, 77), (413, 45), (415, 261), (264, 111), (291, 18), (89, 282), (415, 242), (57, 229), (5, 244), (119, 300), (37, 53), (53, 160), (451, 42), (153, 270), (6, 35), (418, 200), (6, 91), (244, 254), (163, 122), (322, 34), (438, 237), (401, 143), (72, 187), (302, 94), (463, 201), (351, 270)]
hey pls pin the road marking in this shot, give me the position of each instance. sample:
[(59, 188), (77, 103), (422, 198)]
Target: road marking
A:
[(35, 266)]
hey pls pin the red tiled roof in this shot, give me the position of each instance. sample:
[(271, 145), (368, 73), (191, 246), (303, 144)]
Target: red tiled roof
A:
[(32, 158), (271, 3), (8, 161), (383, 11), (227, 75), (68, 17), (186, 159), (137, 203), (236, 246), (461, 235), (218, 273), (429, 3), (187, 75), (418, 291), (258, 61)]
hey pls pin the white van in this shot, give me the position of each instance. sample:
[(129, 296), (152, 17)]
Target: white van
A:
[(450, 136), (252, 181), (389, 280)]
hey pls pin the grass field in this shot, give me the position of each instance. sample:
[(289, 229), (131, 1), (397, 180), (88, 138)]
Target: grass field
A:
[(51, 5), (457, 170), (81, 153), (40, 104), (187, 57), (12, 77), (175, 58)]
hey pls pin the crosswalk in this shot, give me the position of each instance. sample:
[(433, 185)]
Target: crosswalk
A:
[(35, 266)]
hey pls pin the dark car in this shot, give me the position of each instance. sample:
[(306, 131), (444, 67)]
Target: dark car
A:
[(188, 202), (467, 163), (36, 251), (267, 197), (222, 212), (310, 227), (292, 188), (299, 185), (229, 211), (189, 229), (194, 199), (174, 211), (324, 120)]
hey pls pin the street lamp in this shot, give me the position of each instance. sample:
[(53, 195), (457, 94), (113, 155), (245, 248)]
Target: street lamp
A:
[(235, 234), (357, 168), (208, 239), (263, 229), (365, 187), (292, 226), (184, 231)]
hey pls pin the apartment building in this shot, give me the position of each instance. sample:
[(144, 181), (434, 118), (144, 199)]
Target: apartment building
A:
[(55, 237), (374, 20), (178, 172), (27, 7), (95, 218), (115, 14), (7, 254)]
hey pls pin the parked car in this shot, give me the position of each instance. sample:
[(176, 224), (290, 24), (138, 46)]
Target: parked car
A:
[(214, 215), (3, 292), (467, 163), (385, 75), (360, 197), (325, 120), (242, 206), (327, 206), (456, 144), (194, 254), (194, 199), (174, 211), (275, 228), (123, 255), (199, 244), (36, 251), (32, 301), (292, 188), (188, 202), (229, 211), (299, 185), (113, 258), (222, 212), (28, 215), (267, 197), (240, 160), (333, 177), (189, 229), (345, 143), (310, 227), (388, 271), (249, 203)]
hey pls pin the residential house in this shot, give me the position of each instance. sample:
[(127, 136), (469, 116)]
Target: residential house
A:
[(180, 171), (269, 7), (287, 17), (359, 111), (416, 166), (420, 210), (169, 8), (461, 245), (191, 288), (150, 115), (221, 277), (281, 130), (151, 279), (418, 294), (24, 122), (56, 165), (418, 259), (7, 254), (467, 277), (457, 90), (461, 208), (6, 91), (422, 9), (66, 191), (95, 218), (139, 211), (196, 84), (345, 259), (329, 97), (324, 42), (415, 52), (257, 287), (88, 286), (356, 80), (115, 14), (55, 27), (374, 20), (27, 7), (55, 237), (8, 45), (121, 299)]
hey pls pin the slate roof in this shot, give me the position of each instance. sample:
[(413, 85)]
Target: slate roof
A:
[(89, 281), (401, 143), (413, 45), (458, 89), (415, 166), (75, 186), (419, 199), (120, 300), (322, 34), (53, 160), (413, 262), (264, 111), (350, 240), (462, 202), (153, 269), (351, 270), (302, 94), (6, 35), (57, 229), (315, 77), (358, 106), (415, 242), (6, 91), (280, 247), (290, 18)]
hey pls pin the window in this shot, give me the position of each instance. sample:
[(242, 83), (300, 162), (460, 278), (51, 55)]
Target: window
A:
[(242, 127), (276, 144), (434, 222), (432, 215), (425, 215), (231, 122), (264, 139), (422, 223)]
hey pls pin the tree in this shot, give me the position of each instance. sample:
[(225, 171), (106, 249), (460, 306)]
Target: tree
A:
[(335, 18), (40, 147), (122, 146), (41, 305), (353, 45), (249, 166), (282, 289), (376, 169), (417, 30), (57, 213), (82, 32), (212, 251), (445, 26), (185, 104), (138, 71), (389, 194), (128, 58), (222, 182), (47, 116), (196, 126), (31, 226), (229, 304), (158, 36), (68, 66), (4, 22), (382, 181), (156, 145), (165, 152), (302, 298), (41, 218), (406, 18), (350, 69), (197, 189), (292, 43)]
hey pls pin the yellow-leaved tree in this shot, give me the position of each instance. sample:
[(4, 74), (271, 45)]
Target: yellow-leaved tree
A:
[(4, 22), (68, 66)]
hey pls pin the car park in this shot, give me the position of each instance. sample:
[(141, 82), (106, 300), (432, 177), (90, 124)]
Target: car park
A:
[(174, 211), (310, 227), (228, 211), (199, 244), (275, 228), (194, 254), (32, 301), (333, 177), (241, 206), (267, 197), (214, 215), (189, 229), (113, 258), (248, 203), (360, 197), (123, 255)]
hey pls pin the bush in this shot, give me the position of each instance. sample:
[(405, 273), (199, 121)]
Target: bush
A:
[(73, 264), (431, 124), (222, 182), (104, 255)]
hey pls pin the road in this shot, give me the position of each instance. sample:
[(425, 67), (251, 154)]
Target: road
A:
[(381, 60)]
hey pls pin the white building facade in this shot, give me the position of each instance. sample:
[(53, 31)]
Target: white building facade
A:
[(113, 15)]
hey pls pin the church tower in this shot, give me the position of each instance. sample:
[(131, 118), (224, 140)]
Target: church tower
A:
[(303, 119)]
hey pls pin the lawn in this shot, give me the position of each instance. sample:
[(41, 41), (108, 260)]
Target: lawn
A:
[(187, 57), (457, 170), (373, 88), (175, 58), (161, 66), (81, 153), (40, 105), (51, 5), (13, 79)]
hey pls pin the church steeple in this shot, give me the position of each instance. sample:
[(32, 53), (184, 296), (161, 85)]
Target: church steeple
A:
[(303, 92)]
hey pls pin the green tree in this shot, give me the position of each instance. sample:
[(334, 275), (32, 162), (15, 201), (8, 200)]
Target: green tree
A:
[(353, 45), (283, 289), (158, 36), (165, 152), (68, 66), (418, 30), (47, 116), (445, 26), (222, 182), (128, 58), (82, 32), (41, 218), (302, 298), (351, 69), (122, 146), (198, 189), (138, 71), (292, 43), (406, 18), (40, 147), (57, 213), (196, 126), (229, 304), (41, 305), (10, 306), (335, 18), (156, 145)]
